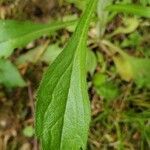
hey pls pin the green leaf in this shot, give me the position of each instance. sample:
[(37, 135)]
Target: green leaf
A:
[(51, 53), (28, 131), (103, 15), (131, 9), (91, 62), (131, 68), (9, 75), (78, 3), (99, 79), (108, 90), (129, 25), (133, 40), (141, 71), (48, 56), (145, 2), (14, 34), (124, 67), (72, 27), (105, 88), (62, 108)]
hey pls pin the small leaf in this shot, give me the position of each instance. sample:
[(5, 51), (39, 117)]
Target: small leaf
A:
[(108, 90), (28, 131), (124, 67), (48, 56), (141, 71), (62, 108), (14, 34), (51, 53), (105, 88), (134, 40), (103, 15), (9, 75), (131, 9), (131, 68), (99, 79), (129, 25), (91, 62), (72, 27)]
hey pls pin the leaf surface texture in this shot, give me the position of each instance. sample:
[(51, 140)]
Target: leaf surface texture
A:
[(62, 108), (14, 34)]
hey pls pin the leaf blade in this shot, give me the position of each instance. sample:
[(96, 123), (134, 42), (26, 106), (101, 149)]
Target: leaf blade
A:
[(14, 34), (63, 94), (130, 67), (130, 8), (9, 75)]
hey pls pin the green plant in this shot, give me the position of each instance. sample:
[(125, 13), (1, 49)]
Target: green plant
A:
[(16, 34), (65, 114), (62, 115), (131, 9)]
